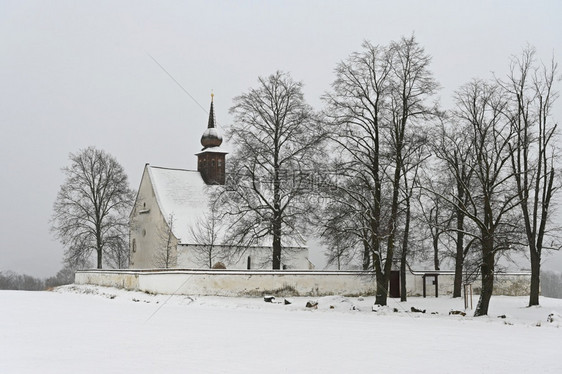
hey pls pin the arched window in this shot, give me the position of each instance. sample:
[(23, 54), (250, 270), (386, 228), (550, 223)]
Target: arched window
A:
[(249, 262)]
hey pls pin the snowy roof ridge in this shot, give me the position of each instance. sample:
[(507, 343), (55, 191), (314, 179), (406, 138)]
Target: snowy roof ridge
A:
[(167, 168)]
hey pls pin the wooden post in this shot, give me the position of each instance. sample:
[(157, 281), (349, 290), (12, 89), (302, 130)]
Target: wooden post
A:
[(467, 292)]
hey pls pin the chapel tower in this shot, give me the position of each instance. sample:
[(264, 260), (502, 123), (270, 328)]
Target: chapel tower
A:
[(210, 161)]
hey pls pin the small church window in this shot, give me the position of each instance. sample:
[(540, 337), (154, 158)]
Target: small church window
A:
[(249, 262), (219, 163), (213, 163), (134, 245)]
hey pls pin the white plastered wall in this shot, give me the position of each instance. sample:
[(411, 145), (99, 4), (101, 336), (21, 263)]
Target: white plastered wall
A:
[(256, 282), (147, 228), (189, 257)]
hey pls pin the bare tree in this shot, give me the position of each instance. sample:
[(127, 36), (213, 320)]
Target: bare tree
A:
[(412, 85), (534, 154), (356, 115), (276, 138), (492, 200), (165, 255), (377, 95), (92, 207), (207, 234)]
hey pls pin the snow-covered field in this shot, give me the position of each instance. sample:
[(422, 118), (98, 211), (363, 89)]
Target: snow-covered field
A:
[(85, 329)]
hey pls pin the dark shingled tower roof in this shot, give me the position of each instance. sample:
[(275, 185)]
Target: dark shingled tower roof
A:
[(211, 137), (211, 115)]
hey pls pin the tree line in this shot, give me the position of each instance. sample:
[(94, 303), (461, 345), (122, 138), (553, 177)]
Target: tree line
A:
[(410, 180), (14, 281)]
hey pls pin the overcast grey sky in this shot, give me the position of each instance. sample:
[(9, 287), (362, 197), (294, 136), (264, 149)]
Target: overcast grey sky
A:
[(74, 74)]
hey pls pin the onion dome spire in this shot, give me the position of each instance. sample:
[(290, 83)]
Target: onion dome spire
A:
[(211, 137)]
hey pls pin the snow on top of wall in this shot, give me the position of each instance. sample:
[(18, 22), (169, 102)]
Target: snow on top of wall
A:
[(182, 194)]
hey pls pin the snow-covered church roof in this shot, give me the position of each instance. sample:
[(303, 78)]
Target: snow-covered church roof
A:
[(182, 194)]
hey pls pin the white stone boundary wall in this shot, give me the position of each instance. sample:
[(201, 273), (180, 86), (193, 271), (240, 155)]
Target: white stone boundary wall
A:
[(233, 283), (280, 283)]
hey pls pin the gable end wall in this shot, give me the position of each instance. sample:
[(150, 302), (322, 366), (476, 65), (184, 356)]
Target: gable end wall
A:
[(148, 229)]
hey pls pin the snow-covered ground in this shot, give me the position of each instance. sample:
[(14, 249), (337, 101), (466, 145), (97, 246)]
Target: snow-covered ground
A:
[(85, 329)]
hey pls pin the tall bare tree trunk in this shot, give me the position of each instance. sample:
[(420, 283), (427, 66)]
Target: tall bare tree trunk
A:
[(459, 255), (535, 278), (100, 253), (366, 256), (436, 265), (276, 244), (403, 258), (99, 247), (382, 285), (277, 218), (487, 269)]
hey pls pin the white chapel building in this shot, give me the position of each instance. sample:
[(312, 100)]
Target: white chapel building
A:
[(172, 224)]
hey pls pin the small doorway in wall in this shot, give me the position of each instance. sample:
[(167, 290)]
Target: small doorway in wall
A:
[(394, 283), (434, 279), (249, 263)]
